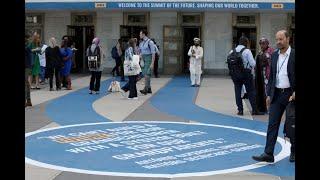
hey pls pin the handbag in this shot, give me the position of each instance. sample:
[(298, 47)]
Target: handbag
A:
[(289, 126), (128, 68), (136, 65)]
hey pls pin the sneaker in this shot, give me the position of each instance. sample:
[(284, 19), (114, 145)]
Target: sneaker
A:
[(90, 92), (135, 98), (97, 92), (130, 98), (192, 85), (51, 89)]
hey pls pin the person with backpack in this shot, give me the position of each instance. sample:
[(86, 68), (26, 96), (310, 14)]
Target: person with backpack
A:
[(280, 90), (240, 64), (156, 59), (148, 52), (116, 54), (196, 54), (94, 56)]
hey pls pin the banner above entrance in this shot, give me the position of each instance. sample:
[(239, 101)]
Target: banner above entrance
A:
[(157, 4)]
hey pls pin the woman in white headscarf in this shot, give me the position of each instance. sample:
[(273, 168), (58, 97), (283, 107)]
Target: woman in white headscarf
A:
[(196, 54), (95, 57), (54, 63)]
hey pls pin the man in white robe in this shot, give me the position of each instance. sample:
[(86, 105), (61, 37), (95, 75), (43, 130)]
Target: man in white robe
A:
[(196, 54)]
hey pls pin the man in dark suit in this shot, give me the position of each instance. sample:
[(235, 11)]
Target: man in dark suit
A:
[(280, 91)]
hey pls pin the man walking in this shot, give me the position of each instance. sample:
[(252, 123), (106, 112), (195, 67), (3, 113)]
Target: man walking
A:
[(241, 63), (280, 89)]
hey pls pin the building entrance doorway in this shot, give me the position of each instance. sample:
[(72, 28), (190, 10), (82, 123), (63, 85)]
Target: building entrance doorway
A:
[(127, 32), (189, 33), (81, 37), (250, 33)]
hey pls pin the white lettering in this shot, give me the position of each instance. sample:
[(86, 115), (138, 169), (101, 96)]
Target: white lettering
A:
[(163, 164), (87, 149), (151, 160), (189, 134), (151, 152), (127, 5)]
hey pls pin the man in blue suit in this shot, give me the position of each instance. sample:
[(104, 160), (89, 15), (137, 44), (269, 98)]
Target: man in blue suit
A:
[(280, 90)]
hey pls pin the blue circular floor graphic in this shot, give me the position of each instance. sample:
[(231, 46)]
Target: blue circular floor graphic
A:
[(148, 149)]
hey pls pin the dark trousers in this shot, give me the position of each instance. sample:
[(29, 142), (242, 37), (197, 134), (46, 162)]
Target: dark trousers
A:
[(64, 81), (56, 72), (95, 80), (126, 87), (276, 110), (26, 83), (122, 71), (133, 86), (245, 79), (155, 67), (116, 68)]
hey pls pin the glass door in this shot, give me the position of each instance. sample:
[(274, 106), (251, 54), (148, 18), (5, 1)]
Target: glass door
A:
[(172, 50)]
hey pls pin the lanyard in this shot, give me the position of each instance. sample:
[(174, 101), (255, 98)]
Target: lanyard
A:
[(279, 68)]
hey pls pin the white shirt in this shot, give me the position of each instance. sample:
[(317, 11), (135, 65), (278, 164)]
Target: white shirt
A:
[(248, 60), (195, 62), (42, 56), (282, 79)]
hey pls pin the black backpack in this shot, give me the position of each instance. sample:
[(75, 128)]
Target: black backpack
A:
[(94, 59), (114, 52), (235, 62)]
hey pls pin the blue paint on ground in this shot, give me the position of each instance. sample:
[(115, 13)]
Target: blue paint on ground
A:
[(177, 98), (77, 107)]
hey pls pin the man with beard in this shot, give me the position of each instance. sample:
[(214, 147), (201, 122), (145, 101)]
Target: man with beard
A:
[(280, 90), (196, 54)]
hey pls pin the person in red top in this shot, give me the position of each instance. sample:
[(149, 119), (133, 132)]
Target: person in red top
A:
[(262, 73)]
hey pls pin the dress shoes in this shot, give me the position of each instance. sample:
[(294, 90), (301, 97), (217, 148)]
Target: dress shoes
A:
[(264, 158)]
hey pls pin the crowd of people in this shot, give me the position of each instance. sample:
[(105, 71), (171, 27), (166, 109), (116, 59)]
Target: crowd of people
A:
[(268, 79), (45, 61)]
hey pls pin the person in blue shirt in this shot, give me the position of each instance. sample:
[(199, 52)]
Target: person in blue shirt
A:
[(246, 78), (147, 53), (66, 53)]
